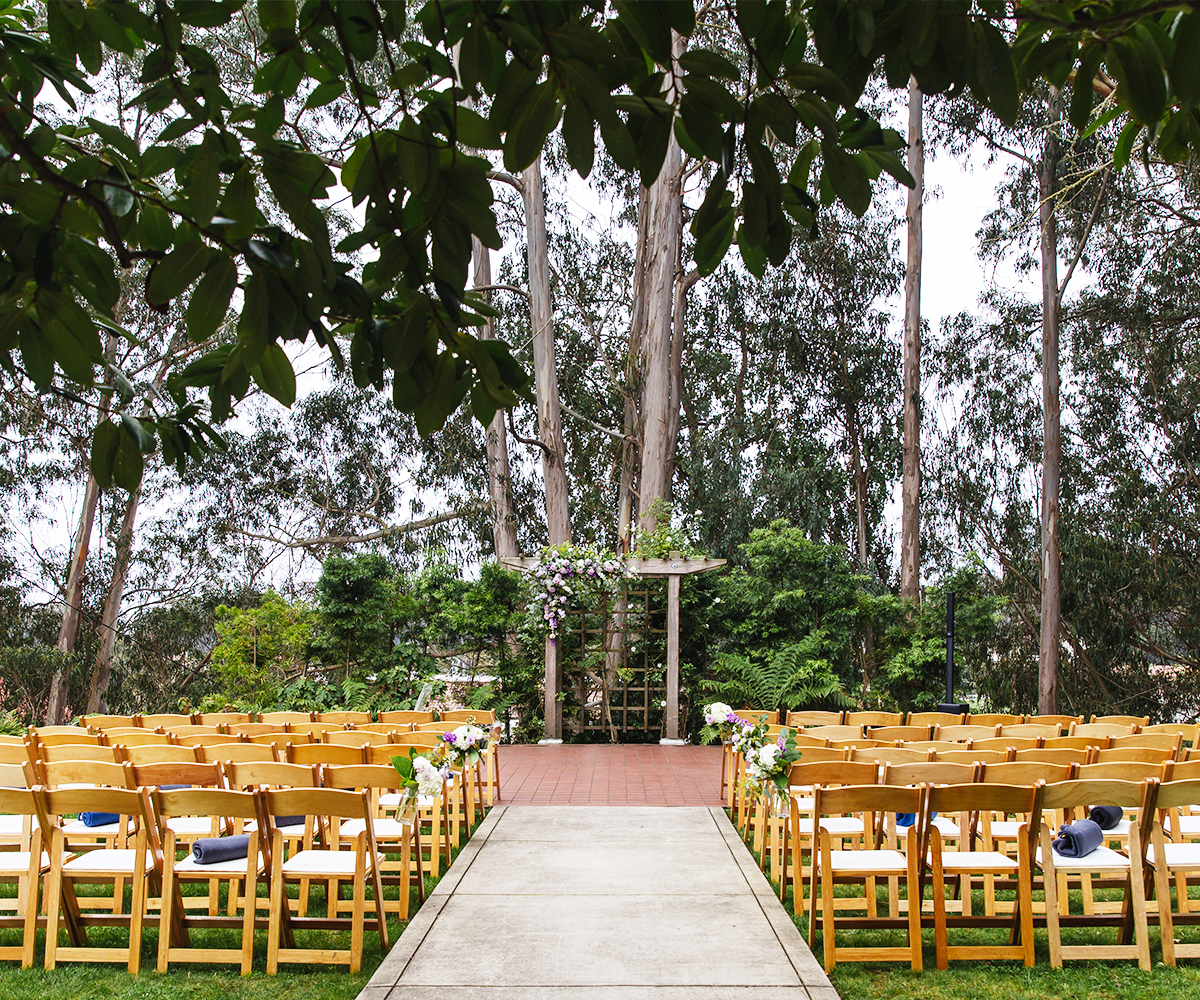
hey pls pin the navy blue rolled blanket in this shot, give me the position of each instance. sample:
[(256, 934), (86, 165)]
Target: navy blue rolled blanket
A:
[(211, 850), (1078, 839), (287, 821), (1106, 817), (98, 819)]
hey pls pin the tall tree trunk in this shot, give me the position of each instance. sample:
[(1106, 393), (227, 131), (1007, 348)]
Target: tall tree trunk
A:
[(98, 688), (499, 471), (634, 374), (678, 323), (663, 233), (910, 528), (554, 469), (56, 704), (1051, 581)]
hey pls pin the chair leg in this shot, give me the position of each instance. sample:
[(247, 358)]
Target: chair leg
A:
[(1137, 886), (167, 914), (1050, 881), (358, 913), (278, 901), (137, 908), (827, 918), (940, 941), (54, 883), (1025, 899), (1162, 889), (249, 911)]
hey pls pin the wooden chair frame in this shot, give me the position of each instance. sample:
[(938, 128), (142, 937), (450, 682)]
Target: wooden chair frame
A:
[(24, 867), (1177, 858), (101, 865), (975, 798), (815, 718), (1072, 795), (868, 865), (222, 806), (335, 805)]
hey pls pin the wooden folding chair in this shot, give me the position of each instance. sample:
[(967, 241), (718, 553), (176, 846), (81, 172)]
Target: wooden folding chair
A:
[(1038, 730), (814, 718), (769, 716), (241, 753), (890, 755), (251, 729), (797, 832), (224, 718), (1176, 858), (873, 719), (904, 734), (24, 867), (483, 718), (357, 866), (433, 812), (40, 732), (103, 722), (932, 719), (963, 733), (1160, 741), (1119, 869), (279, 740), (966, 862), (324, 753), (1007, 743), (179, 732), (77, 751), (301, 832), (206, 739), (164, 754), (1183, 821), (1076, 743), (1186, 730), (185, 829), (1064, 722), (399, 833), (971, 756), (867, 864), (1050, 755), (221, 806), (1103, 729), (277, 719), (836, 732), (167, 720), (1132, 754), (994, 719), (935, 745), (343, 718), (354, 738), (1121, 720), (405, 717), (102, 865)]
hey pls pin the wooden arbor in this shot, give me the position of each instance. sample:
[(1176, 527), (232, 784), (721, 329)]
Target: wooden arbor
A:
[(672, 570)]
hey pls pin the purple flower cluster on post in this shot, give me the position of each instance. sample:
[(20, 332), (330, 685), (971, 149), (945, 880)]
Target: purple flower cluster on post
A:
[(561, 575)]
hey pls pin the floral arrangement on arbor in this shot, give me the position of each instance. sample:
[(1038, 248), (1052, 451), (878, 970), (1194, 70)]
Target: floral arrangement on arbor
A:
[(567, 572)]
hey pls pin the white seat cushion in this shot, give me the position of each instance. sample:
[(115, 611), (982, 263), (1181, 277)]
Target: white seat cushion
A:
[(947, 827), (106, 860), (384, 828), (1005, 829), (10, 826), (844, 825), (976, 861), (1189, 826), (191, 826), (1101, 859), (868, 861), (235, 866), (76, 828), (17, 862), (322, 862), (1178, 855)]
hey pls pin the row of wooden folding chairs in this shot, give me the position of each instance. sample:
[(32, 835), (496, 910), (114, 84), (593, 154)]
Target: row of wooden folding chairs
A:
[(931, 719), (1156, 808), (343, 810), (966, 733), (337, 718), (466, 800)]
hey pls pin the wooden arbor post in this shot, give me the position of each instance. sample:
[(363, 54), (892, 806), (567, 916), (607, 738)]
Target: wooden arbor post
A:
[(673, 569)]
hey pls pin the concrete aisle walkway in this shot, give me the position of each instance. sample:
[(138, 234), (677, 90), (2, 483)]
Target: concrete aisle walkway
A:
[(601, 903)]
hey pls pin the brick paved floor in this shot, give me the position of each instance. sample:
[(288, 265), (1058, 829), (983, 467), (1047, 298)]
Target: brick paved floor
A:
[(604, 775)]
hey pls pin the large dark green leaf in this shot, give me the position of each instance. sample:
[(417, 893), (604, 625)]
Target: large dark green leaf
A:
[(210, 302), (276, 376), (105, 438), (127, 464), (172, 275)]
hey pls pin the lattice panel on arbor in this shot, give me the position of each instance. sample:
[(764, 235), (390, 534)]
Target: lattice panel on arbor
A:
[(617, 686)]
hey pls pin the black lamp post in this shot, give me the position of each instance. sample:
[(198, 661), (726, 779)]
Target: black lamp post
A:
[(950, 705)]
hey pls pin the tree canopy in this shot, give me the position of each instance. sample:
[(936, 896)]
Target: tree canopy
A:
[(226, 189)]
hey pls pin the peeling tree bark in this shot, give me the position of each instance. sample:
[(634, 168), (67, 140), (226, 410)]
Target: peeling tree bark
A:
[(98, 688), (665, 207), (631, 447), (910, 528), (554, 470), (1051, 576), (56, 704), (499, 471)]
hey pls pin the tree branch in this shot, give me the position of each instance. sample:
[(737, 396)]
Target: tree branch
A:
[(1086, 233), (371, 536)]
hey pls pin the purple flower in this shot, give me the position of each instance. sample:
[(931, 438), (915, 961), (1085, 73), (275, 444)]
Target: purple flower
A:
[(449, 737)]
